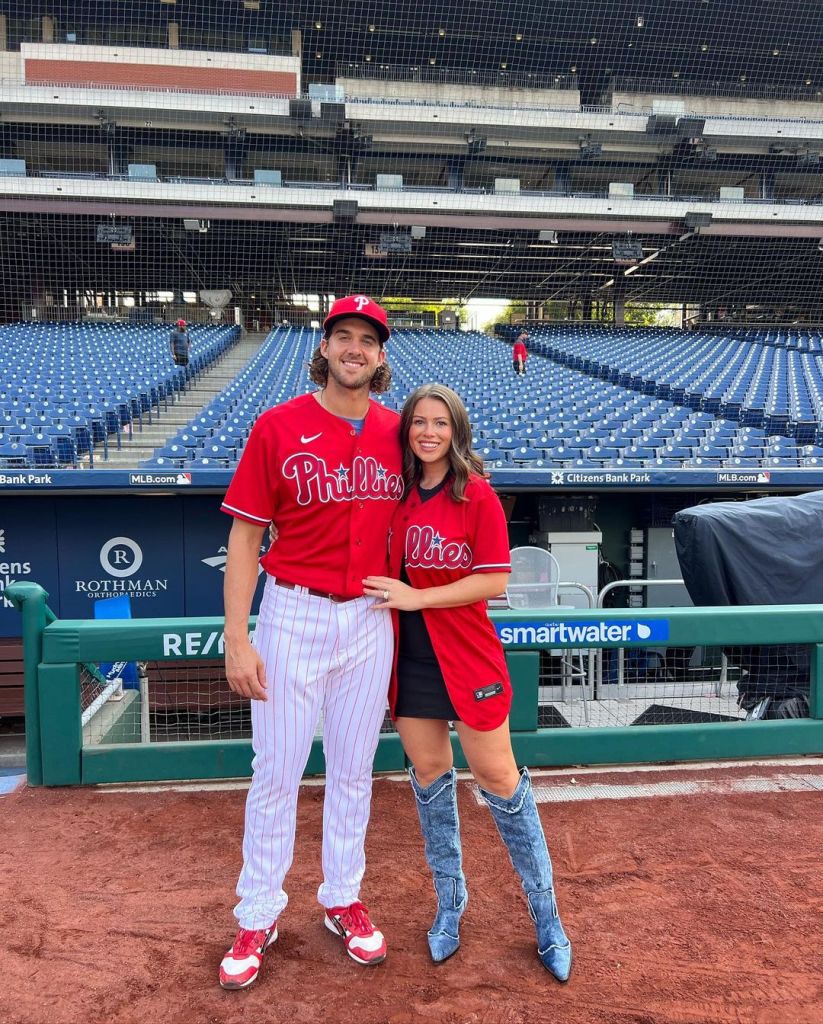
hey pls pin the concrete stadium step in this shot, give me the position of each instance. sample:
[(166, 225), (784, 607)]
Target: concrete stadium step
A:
[(123, 460)]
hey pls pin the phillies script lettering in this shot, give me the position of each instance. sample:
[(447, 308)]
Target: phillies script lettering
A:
[(316, 482), (426, 549)]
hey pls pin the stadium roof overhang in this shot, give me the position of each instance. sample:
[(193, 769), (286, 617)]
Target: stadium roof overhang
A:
[(289, 251)]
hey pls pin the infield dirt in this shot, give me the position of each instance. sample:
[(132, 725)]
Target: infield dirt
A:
[(707, 909)]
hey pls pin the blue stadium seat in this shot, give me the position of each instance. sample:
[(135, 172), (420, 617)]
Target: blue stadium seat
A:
[(13, 456)]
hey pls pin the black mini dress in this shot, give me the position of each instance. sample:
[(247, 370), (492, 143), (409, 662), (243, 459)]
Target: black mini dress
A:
[(421, 689)]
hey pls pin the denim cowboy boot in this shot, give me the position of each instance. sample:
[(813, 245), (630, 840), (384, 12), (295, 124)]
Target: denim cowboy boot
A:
[(519, 826), (440, 825)]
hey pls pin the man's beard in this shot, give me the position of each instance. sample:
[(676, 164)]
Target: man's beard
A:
[(352, 384)]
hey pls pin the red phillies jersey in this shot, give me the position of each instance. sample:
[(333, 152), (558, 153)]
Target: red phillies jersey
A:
[(330, 491), (519, 351), (442, 541)]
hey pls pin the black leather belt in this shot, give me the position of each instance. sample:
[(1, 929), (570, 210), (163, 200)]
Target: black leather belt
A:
[(337, 598)]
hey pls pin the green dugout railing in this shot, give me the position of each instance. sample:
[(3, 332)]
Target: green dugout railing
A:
[(54, 652)]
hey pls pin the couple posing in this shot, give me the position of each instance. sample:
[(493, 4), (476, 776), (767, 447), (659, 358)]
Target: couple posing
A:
[(347, 614)]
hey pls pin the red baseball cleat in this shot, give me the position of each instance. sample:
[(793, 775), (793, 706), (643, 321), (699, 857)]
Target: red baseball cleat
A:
[(364, 943), (241, 964)]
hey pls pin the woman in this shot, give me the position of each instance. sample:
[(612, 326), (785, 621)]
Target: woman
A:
[(448, 554)]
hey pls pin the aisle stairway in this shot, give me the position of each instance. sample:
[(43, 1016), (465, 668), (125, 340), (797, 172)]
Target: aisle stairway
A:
[(141, 443)]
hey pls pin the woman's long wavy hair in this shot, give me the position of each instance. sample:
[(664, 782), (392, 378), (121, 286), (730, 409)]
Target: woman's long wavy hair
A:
[(462, 460), (319, 373)]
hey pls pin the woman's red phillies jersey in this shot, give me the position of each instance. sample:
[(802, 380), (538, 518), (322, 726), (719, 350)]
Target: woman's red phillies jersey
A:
[(330, 491), (442, 541)]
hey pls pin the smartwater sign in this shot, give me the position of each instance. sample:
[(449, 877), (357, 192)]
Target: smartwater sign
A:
[(582, 632)]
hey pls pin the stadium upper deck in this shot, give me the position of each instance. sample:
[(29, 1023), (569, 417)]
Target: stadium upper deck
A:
[(519, 141)]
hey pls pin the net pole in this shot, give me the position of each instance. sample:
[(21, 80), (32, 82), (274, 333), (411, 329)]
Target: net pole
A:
[(111, 687), (145, 725)]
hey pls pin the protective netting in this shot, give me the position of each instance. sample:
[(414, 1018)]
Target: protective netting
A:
[(673, 686), (171, 702), (241, 163), (189, 700), (642, 161)]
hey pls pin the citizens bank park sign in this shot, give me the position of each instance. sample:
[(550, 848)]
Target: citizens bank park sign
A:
[(502, 476)]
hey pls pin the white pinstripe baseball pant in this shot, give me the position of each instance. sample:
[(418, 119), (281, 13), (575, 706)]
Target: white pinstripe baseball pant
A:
[(320, 656)]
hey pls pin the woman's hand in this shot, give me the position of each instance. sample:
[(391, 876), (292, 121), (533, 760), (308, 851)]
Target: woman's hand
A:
[(393, 593)]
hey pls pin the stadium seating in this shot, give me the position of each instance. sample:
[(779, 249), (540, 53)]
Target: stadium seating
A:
[(218, 432), (66, 387), (560, 415), (771, 379), (593, 397)]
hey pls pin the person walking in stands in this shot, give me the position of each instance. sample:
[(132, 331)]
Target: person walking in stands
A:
[(180, 344), (327, 468), (448, 554), (520, 354)]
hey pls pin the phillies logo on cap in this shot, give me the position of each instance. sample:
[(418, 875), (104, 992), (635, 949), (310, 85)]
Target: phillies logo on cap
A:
[(362, 306)]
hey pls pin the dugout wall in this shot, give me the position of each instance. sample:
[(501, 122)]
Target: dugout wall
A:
[(60, 656)]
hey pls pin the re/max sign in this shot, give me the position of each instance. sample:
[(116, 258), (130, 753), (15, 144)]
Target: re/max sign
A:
[(193, 645)]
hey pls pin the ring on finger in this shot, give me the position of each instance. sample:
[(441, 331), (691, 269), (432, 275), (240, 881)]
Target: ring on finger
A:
[(385, 595)]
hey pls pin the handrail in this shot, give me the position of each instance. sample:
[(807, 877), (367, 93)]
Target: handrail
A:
[(621, 655), (631, 583), (579, 586)]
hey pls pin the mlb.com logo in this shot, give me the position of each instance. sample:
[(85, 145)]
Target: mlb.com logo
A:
[(587, 631)]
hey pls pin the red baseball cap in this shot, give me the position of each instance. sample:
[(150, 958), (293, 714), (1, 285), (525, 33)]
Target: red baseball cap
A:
[(181, 323), (365, 308)]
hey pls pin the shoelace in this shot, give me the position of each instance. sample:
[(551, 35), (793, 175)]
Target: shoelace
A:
[(356, 919), (249, 942)]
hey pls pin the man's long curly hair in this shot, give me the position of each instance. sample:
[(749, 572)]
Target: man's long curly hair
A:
[(319, 373)]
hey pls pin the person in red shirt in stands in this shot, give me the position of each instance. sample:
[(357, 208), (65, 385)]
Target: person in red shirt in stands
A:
[(520, 354), (448, 554)]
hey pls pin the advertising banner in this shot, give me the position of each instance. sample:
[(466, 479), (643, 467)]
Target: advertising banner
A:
[(206, 534), (124, 546), (28, 552)]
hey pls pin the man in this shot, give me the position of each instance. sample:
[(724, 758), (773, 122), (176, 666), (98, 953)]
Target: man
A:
[(180, 344), (327, 468), (520, 354)]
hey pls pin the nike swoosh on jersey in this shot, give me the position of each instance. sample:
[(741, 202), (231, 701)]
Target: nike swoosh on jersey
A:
[(305, 440)]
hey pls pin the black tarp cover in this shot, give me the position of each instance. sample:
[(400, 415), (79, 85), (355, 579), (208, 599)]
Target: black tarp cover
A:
[(766, 551)]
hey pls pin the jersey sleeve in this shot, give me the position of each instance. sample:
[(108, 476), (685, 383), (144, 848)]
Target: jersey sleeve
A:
[(252, 494), (490, 534)]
